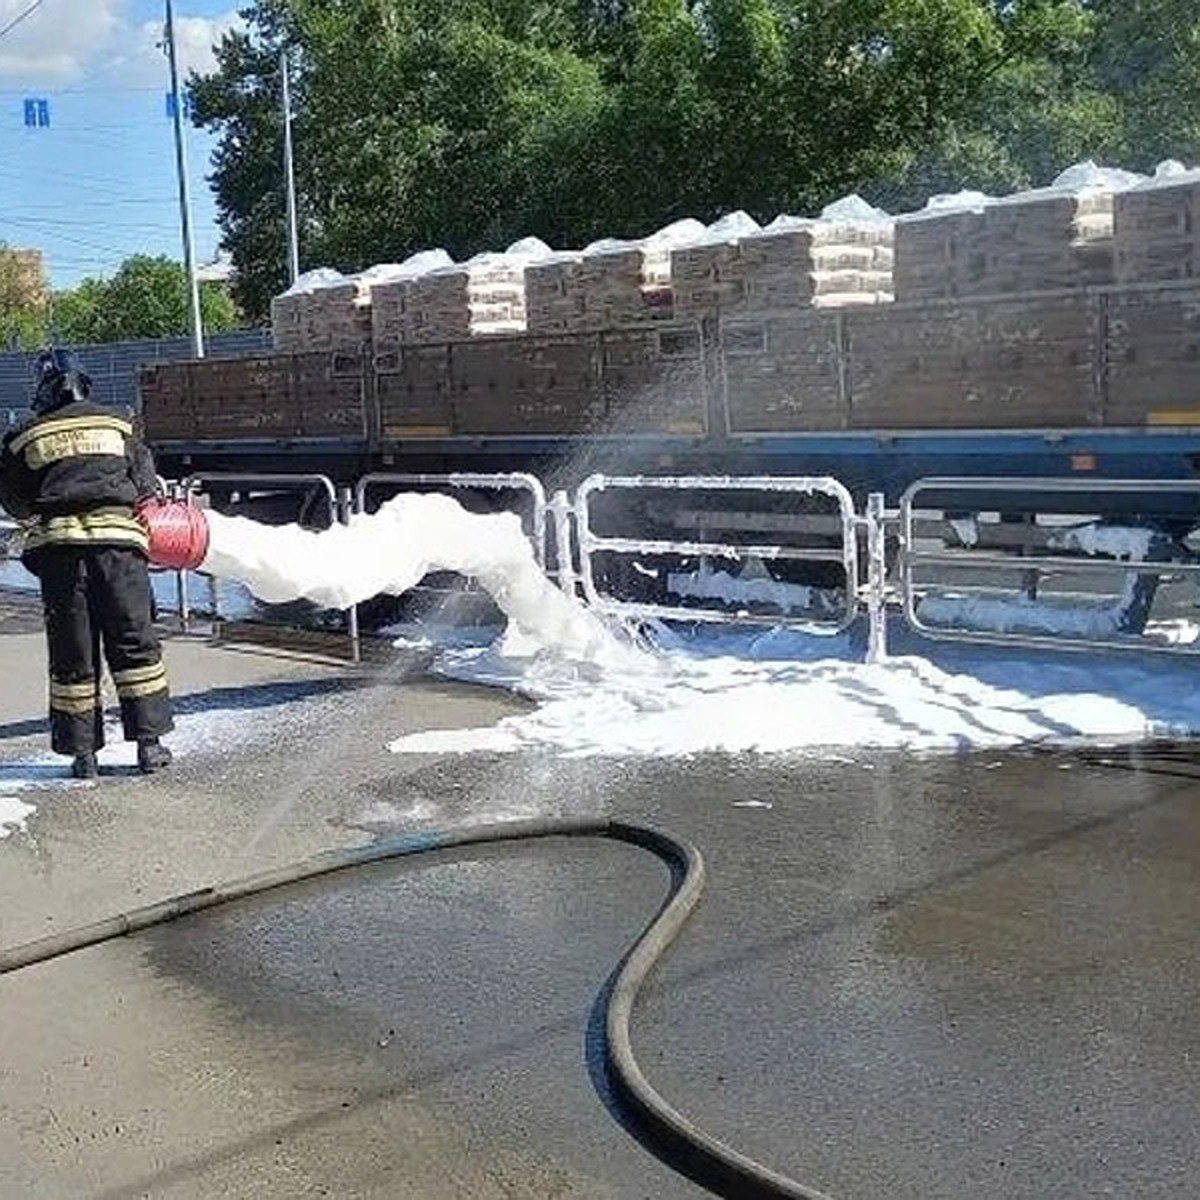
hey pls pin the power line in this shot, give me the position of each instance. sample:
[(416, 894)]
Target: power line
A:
[(65, 223), (21, 17), (79, 184), (23, 226), (82, 91)]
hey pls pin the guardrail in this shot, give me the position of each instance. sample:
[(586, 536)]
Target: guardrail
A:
[(926, 511), (1142, 572), (590, 544)]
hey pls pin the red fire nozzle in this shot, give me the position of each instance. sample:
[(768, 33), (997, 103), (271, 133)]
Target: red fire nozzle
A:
[(178, 533)]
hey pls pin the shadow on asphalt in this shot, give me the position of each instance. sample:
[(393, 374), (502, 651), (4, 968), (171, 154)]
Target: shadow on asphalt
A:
[(225, 699)]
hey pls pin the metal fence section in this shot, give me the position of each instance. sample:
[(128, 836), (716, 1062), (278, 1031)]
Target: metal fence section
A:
[(341, 509), (844, 555), (1143, 572), (114, 367)]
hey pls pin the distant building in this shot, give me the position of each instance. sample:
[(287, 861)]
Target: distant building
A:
[(22, 276), (220, 270)]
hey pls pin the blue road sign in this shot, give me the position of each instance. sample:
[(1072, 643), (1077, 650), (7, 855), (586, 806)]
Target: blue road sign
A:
[(37, 113), (187, 106)]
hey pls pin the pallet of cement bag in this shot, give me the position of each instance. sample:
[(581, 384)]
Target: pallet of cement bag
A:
[(619, 284), (707, 279), (655, 380), (1032, 242), (938, 254), (554, 301), (483, 296), (782, 373), (388, 307), (286, 324), (1153, 357), (526, 386), (332, 318), (1019, 362), (1047, 242), (625, 287), (786, 266), (1157, 232)]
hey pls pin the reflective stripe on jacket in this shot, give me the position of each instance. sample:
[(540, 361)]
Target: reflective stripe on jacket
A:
[(101, 528)]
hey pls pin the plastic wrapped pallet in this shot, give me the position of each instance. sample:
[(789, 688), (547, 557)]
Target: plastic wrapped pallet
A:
[(1157, 228), (323, 310), (612, 283), (843, 257), (1049, 239), (704, 274), (389, 296), (485, 295), (554, 302)]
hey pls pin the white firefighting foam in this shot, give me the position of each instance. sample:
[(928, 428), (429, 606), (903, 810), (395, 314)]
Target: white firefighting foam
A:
[(598, 695), (796, 694), (391, 551)]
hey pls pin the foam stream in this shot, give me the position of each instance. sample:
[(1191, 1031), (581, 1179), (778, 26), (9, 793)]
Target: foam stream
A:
[(391, 551)]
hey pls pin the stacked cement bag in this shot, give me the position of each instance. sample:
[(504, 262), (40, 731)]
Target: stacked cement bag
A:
[(389, 290), (610, 284), (704, 274), (1157, 228), (485, 295), (843, 257), (1049, 239), (323, 310), (939, 250)]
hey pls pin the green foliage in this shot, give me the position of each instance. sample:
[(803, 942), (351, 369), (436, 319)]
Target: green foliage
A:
[(146, 298), (469, 123), (1148, 53), (22, 317)]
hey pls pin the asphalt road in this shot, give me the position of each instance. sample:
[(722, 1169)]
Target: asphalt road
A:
[(953, 977)]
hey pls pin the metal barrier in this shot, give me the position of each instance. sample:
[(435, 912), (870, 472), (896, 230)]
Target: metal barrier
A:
[(341, 509), (846, 554), (465, 481), (1138, 569)]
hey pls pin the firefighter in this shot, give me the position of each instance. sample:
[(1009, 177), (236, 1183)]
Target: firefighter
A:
[(75, 476)]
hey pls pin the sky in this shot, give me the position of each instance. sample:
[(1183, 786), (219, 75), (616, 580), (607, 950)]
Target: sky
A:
[(100, 184)]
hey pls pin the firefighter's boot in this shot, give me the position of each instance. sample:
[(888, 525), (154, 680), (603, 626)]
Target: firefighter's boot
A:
[(153, 756), (85, 766)]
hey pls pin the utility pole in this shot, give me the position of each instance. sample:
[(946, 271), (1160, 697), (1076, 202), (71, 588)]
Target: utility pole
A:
[(185, 197), (289, 171)]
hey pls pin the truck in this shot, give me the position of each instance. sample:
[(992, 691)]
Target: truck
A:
[(1099, 382)]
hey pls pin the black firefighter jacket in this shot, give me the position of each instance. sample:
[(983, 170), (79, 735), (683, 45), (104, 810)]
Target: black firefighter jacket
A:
[(73, 478)]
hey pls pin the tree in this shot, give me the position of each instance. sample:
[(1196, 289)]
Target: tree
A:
[(22, 302), (1037, 108), (146, 298), (1149, 52), (469, 123)]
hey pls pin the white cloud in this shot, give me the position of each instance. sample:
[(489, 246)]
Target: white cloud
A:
[(196, 39), (58, 41), (75, 41)]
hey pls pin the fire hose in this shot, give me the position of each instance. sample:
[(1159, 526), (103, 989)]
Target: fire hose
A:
[(708, 1161)]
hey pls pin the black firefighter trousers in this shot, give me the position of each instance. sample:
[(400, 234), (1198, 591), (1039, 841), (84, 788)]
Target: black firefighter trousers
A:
[(99, 597)]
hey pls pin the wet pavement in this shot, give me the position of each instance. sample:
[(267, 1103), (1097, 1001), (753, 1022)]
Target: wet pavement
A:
[(948, 977)]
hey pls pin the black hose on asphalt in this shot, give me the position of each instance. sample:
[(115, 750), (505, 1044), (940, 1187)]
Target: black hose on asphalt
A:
[(709, 1161)]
